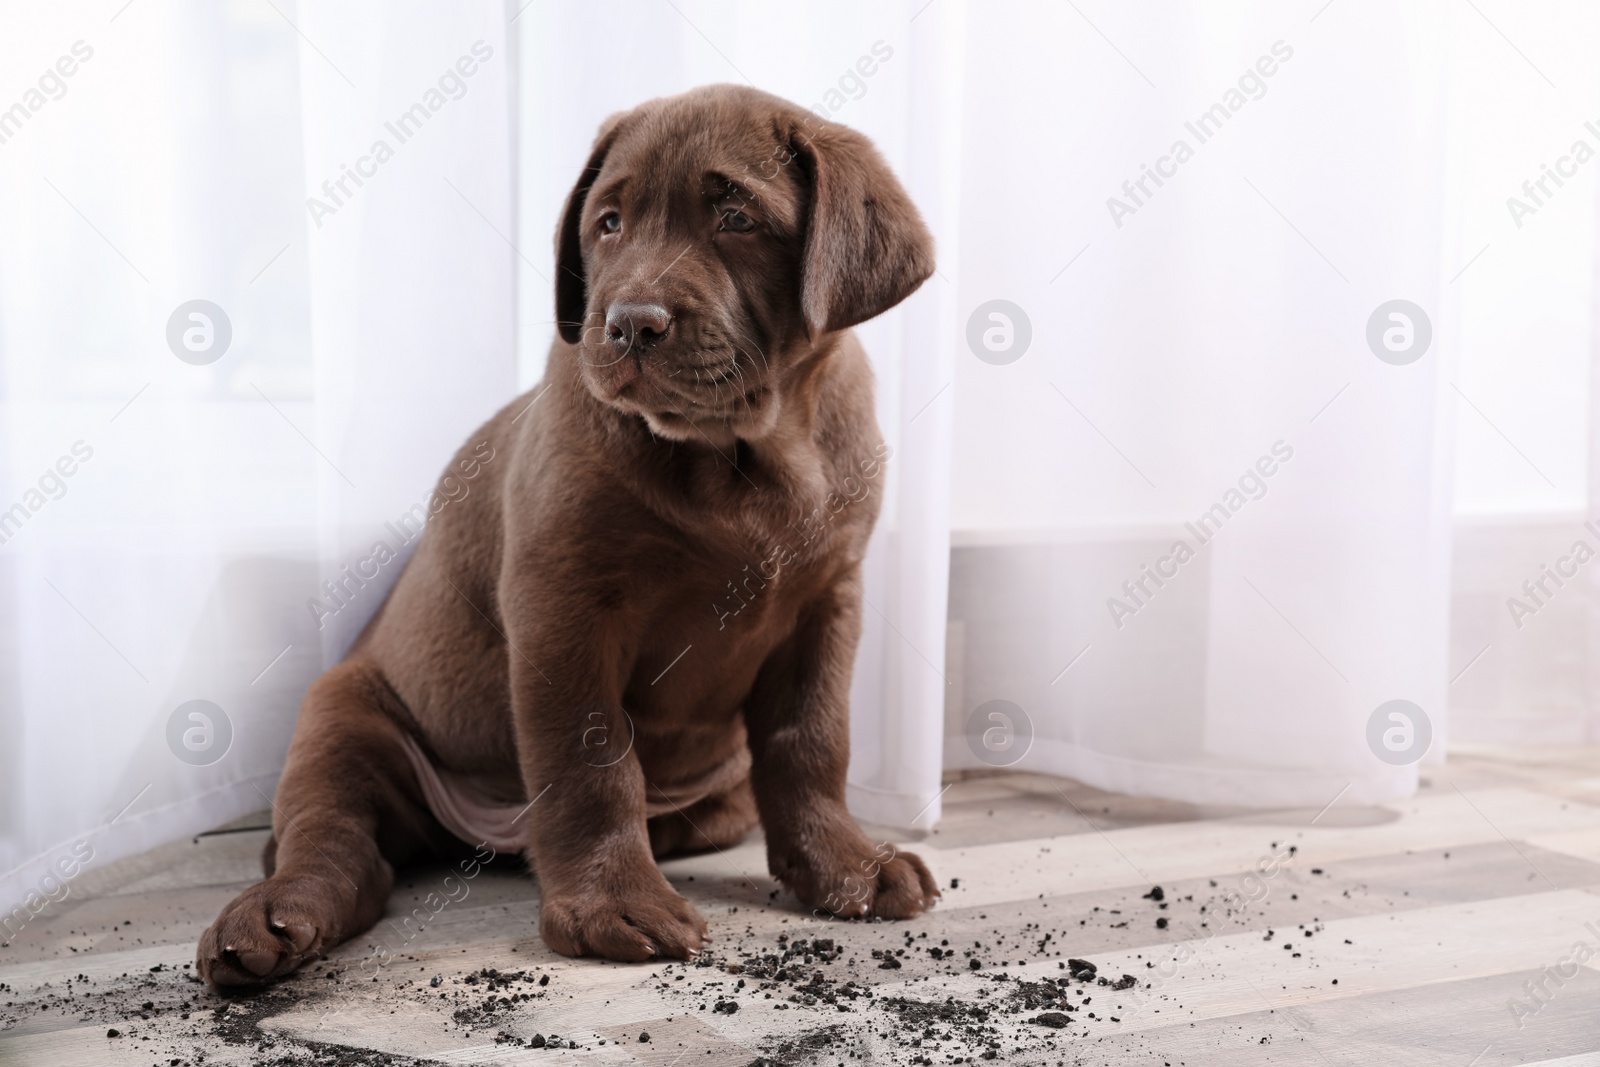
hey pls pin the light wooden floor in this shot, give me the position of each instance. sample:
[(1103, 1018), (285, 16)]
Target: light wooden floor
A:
[(1394, 935)]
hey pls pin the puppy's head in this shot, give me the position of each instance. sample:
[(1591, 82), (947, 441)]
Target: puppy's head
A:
[(711, 242)]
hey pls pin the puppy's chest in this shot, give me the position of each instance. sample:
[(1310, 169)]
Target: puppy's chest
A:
[(701, 651), (752, 564), (779, 567)]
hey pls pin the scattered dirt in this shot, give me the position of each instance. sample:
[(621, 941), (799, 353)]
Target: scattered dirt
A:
[(944, 989), (168, 1014), (1005, 1014)]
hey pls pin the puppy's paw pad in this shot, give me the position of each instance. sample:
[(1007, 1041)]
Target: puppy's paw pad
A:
[(264, 933)]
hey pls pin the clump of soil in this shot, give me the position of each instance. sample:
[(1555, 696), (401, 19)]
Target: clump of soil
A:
[(491, 994)]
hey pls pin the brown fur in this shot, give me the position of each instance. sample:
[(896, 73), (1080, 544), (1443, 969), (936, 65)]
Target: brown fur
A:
[(656, 480)]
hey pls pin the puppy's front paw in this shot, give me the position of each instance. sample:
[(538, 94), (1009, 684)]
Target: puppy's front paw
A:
[(645, 921), (860, 881), (264, 933)]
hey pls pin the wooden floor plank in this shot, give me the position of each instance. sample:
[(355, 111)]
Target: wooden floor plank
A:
[(1462, 1023)]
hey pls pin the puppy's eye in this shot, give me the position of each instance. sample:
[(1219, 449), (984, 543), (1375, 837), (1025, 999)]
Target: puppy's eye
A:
[(610, 222), (737, 221)]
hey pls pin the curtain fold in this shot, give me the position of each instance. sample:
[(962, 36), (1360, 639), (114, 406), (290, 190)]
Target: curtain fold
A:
[(413, 275), (900, 682)]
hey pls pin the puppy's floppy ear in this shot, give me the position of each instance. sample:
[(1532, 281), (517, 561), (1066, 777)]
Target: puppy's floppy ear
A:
[(572, 290), (866, 248)]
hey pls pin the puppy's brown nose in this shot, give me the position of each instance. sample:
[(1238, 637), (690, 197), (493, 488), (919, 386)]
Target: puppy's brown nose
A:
[(629, 325)]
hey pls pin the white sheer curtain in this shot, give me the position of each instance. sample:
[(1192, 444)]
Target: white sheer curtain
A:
[(1526, 470), (1200, 340), (413, 281), (1336, 158), (211, 494)]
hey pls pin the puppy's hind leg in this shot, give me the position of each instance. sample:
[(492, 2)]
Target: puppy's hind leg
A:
[(721, 820), (347, 808)]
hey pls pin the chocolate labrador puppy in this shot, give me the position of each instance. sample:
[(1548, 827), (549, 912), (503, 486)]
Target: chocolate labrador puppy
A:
[(633, 636)]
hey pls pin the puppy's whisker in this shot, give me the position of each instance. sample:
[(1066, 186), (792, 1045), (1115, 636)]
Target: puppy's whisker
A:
[(764, 364), (745, 388)]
